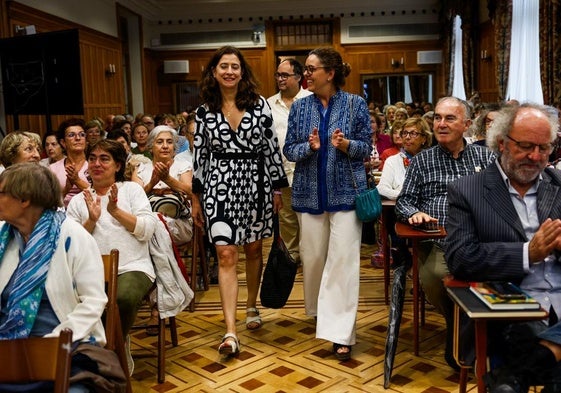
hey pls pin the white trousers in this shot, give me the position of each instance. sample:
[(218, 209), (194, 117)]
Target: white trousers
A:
[(330, 254)]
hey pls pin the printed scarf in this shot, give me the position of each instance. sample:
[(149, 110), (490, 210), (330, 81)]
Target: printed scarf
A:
[(30, 275)]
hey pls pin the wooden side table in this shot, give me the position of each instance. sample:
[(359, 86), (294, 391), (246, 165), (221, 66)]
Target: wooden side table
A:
[(465, 300), (407, 231)]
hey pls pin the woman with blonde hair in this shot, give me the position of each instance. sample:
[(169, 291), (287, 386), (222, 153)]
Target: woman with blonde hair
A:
[(19, 146)]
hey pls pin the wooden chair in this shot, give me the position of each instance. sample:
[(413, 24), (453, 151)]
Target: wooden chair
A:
[(37, 359), (113, 332), (198, 260)]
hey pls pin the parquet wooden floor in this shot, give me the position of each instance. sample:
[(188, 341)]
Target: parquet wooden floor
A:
[(285, 356)]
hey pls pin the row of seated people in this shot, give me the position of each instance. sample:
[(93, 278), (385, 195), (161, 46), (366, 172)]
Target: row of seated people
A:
[(476, 248), (118, 213)]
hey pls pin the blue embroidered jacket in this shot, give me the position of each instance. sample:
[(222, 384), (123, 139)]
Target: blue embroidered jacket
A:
[(322, 179)]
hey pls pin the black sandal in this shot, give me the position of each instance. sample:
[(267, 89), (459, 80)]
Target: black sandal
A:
[(342, 356)]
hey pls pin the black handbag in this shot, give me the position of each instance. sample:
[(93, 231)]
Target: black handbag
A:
[(280, 271)]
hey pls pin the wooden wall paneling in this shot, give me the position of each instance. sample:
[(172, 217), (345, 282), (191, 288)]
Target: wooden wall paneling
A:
[(102, 95), (486, 65)]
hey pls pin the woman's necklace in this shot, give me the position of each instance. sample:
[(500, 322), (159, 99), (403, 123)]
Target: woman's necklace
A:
[(228, 109)]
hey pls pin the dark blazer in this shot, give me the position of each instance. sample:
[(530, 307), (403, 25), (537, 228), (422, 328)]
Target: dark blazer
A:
[(485, 236)]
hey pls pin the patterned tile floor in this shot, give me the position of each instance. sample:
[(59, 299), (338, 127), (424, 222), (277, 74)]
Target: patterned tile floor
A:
[(284, 356)]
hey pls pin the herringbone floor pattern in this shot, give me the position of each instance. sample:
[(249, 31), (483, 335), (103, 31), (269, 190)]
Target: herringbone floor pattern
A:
[(284, 356)]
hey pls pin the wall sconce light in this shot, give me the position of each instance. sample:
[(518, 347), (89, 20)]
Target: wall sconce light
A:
[(256, 37), (485, 56), (110, 71), (397, 63), (257, 33), (25, 30)]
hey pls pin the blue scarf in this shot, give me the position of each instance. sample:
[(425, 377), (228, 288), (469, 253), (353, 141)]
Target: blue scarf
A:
[(30, 275)]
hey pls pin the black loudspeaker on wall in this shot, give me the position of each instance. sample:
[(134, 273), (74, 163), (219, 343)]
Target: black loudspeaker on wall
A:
[(41, 74)]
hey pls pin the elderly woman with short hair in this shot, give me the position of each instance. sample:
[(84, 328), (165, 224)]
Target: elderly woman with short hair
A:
[(167, 182), (51, 270), (19, 146)]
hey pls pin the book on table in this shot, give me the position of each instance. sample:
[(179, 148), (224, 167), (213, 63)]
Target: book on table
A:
[(503, 296)]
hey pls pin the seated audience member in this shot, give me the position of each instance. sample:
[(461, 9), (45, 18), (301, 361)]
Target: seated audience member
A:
[(416, 136), (72, 171), (423, 196), (123, 138), (118, 215), (483, 122), (397, 143), (94, 132), (51, 270), (167, 182), (504, 224), (380, 140), (140, 136), (20, 146), (401, 115), (389, 113), (172, 122), (52, 148), (124, 125), (148, 121)]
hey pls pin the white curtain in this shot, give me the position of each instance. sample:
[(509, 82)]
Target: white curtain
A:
[(407, 89), (388, 90), (524, 82), (458, 88), (430, 94)]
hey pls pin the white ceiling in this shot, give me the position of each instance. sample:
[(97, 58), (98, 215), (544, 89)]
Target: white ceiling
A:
[(176, 12)]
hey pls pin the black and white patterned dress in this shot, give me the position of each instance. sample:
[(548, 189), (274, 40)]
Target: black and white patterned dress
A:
[(236, 172)]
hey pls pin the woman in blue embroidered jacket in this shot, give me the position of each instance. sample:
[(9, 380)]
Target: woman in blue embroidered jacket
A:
[(328, 136)]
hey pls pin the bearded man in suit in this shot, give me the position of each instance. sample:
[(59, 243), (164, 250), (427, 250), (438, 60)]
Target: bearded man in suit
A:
[(505, 224)]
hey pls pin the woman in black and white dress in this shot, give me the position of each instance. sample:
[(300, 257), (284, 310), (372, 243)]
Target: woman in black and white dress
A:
[(237, 175)]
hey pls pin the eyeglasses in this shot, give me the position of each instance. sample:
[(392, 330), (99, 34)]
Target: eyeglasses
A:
[(73, 135), (283, 76), (412, 134), (310, 69), (529, 147)]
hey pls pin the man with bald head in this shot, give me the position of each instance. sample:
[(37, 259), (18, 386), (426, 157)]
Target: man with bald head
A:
[(504, 224), (289, 77), (423, 196)]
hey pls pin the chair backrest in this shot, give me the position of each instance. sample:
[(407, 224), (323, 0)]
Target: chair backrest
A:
[(112, 320), (37, 359), (113, 332)]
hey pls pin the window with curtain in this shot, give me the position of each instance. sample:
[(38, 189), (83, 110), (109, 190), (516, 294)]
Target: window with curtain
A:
[(524, 83), (457, 71)]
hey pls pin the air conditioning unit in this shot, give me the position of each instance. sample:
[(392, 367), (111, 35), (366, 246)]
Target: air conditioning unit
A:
[(176, 66), (429, 57)]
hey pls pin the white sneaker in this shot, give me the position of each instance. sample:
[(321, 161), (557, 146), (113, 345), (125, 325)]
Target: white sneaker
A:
[(130, 361)]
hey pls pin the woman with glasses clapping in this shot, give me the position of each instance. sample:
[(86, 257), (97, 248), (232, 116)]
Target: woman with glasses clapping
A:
[(72, 172)]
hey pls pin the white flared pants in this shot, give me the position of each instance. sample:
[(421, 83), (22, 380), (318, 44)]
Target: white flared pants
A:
[(330, 255)]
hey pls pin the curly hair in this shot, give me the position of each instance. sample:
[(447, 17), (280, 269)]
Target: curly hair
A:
[(246, 96), (331, 60)]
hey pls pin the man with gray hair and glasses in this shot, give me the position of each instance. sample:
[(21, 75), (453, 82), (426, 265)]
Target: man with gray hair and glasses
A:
[(504, 224)]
